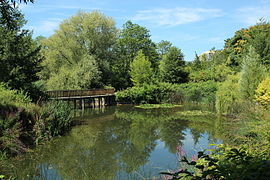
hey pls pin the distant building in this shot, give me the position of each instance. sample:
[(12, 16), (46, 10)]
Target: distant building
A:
[(207, 55)]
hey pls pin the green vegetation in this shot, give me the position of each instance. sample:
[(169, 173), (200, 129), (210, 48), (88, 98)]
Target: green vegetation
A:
[(141, 71), (88, 51), (26, 119), (151, 94), (154, 106), (172, 66), (23, 123), (263, 92)]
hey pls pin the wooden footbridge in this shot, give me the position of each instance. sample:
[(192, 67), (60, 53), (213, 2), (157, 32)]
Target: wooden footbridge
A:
[(92, 98)]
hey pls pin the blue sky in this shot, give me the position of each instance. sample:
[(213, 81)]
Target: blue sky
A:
[(191, 25)]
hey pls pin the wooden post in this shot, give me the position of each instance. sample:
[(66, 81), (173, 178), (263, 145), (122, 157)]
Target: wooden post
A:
[(74, 101), (83, 104)]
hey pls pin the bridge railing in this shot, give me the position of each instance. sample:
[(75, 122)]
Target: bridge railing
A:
[(79, 93)]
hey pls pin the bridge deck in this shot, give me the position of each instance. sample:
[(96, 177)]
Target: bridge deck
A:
[(83, 98), (79, 94)]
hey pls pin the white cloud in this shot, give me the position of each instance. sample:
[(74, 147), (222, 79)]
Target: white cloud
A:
[(176, 16), (45, 27), (251, 15)]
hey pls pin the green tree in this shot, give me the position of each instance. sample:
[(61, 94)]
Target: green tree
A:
[(257, 36), (163, 47), (252, 73), (84, 75), (85, 35), (20, 55), (172, 67), (141, 71), (228, 95), (132, 38)]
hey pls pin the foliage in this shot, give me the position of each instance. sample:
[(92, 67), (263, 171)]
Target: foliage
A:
[(224, 163), (163, 47), (256, 36), (252, 73), (84, 75), (214, 68), (132, 38), (154, 106), (141, 71), (227, 96), (20, 56), (171, 66), (150, 93), (82, 43), (199, 92), (263, 92), (52, 119), (23, 123)]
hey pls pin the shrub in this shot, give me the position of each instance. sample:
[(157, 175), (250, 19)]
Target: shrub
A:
[(150, 93), (262, 95), (199, 92), (52, 119), (228, 96), (23, 123), (223, 163)]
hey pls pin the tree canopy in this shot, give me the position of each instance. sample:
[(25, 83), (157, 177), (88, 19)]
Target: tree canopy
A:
[(20, 56), (81, 38)]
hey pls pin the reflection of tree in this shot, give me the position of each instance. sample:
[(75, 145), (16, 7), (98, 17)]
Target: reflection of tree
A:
[(196, 134), (171, 132), (141, 139), (113, 142)]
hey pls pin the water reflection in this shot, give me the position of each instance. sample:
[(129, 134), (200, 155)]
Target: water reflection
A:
[(119, 143)]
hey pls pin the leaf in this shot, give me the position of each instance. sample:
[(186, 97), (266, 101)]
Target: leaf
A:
[(200, 154), (200, 167)]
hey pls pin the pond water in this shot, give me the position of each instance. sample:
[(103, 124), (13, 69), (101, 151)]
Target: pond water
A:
[(121, 142)]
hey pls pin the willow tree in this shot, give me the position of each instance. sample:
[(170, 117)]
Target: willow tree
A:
[(83, 37)]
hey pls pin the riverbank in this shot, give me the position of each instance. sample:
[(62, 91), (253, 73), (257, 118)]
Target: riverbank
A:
[(24, 124)]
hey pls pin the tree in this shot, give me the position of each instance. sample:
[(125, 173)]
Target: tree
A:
[(84, 75), (20, 56), (257, 36), (252, 73), (132, 38), (141, 71), (163, 47), (172, 66), (228, 96), (85, 35)]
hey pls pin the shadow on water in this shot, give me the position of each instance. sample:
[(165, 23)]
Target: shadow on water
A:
[(119, 143)]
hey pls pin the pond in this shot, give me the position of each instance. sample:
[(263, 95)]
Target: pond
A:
[(121, 142)]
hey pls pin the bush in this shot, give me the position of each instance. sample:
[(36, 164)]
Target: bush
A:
[(199, 92), (228, 96), (262, 95), (23, 123), (224, 162), (151, 94), (52, 119)]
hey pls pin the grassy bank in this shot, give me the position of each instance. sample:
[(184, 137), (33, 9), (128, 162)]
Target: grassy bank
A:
[(24, 124)]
